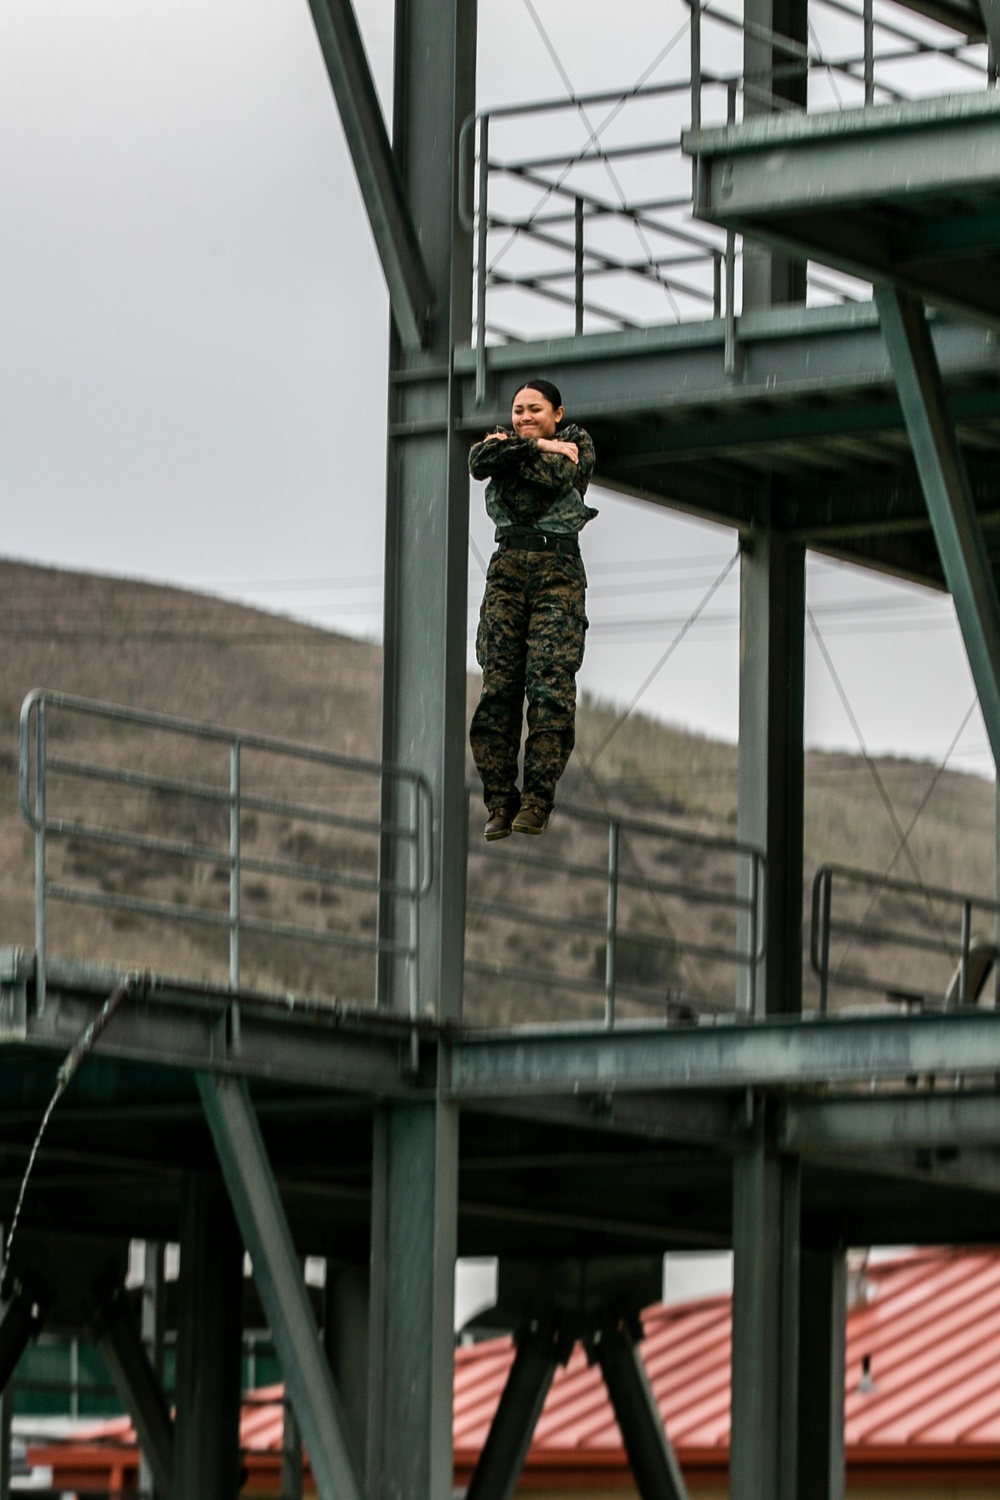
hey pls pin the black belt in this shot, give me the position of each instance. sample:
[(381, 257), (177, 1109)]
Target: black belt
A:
[(537, 541)]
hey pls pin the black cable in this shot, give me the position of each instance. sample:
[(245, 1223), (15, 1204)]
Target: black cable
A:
[(84, 1044)]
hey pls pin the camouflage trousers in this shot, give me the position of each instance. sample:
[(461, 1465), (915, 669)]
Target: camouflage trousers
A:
[(530, 642)]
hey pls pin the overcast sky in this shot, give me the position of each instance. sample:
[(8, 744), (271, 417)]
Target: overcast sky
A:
[(193, 348)]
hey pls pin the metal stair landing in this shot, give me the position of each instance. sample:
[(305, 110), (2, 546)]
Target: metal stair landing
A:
[(907, 193)]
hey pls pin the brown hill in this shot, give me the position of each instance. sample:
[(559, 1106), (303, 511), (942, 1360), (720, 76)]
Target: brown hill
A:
[(147, 646)]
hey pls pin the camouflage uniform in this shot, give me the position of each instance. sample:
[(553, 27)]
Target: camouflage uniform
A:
[(533, 624)]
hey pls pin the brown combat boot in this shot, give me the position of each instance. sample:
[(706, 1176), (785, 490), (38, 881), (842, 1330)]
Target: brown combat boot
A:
[(531, 820), (498, 824)]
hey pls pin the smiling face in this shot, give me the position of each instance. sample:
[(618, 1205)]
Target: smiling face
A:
[(533, 416)]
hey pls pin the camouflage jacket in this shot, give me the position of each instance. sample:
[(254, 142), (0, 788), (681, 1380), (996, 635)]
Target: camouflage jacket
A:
[(532, 491)]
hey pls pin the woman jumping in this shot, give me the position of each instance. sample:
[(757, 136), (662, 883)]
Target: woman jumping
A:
[(532, 624)]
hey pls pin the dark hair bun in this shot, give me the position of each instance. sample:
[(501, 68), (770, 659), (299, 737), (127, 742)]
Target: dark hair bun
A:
[(543, 387)]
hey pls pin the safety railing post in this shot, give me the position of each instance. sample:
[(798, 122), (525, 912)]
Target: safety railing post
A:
[(234, 864), (963, 978), (40, 857), (482, 237), (578, 263), (755, 931), (826, 894), (695, 64), (611, 939), (731, 355), (869, 23)]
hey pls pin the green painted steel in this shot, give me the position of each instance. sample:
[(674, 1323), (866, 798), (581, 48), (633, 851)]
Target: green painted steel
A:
[(771, 758), (277, 1271), (822, 1338), (765, 1350), (949, 500), (138, 1389), (427, 506), (411, 295), (854, 1125), (872, 192), (786, 1053), (206, 1459), (411, 1370), (501, 1458), (651, 1458)]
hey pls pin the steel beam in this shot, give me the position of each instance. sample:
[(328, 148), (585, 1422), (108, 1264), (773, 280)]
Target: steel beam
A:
[(783, 1053), (427, 509), (769, 279), (822, 1332), (867, 1125), (949, 498), (278, 1273), (209, 1345), (765, 1350), (138, 1387), (539, 1353), (411, 296), (411, 1362), (191, 1027), (771, 761), (651, 1458)]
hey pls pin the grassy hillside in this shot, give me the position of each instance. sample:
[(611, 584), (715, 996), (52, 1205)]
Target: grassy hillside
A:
[(152, 647)]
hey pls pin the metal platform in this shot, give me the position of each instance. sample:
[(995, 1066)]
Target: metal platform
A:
[(901, 193), (812, 420), (574, 1142)]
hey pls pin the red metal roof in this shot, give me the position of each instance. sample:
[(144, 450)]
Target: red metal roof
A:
[(929, 1325)]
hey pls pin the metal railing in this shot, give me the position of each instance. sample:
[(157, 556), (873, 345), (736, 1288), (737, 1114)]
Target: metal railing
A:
[(585, 216), (916, 923), (857, 52), (734, 889), (598, 228), (228, 852)]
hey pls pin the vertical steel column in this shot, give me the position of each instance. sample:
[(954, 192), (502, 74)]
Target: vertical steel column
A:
[(411, 1359), (654, 1466), (766, 1194), (773, 72), (771, 761), (209, 1345), (345, 1339), (151, 1332), (427, 505), (498, 1469), (950, 504), (822, 1331)]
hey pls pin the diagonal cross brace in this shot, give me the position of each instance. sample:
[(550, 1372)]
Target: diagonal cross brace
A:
[(138, 1387), (651, 1457), (496, 1475), (411, 294), (278, 1274), (948, 495)]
